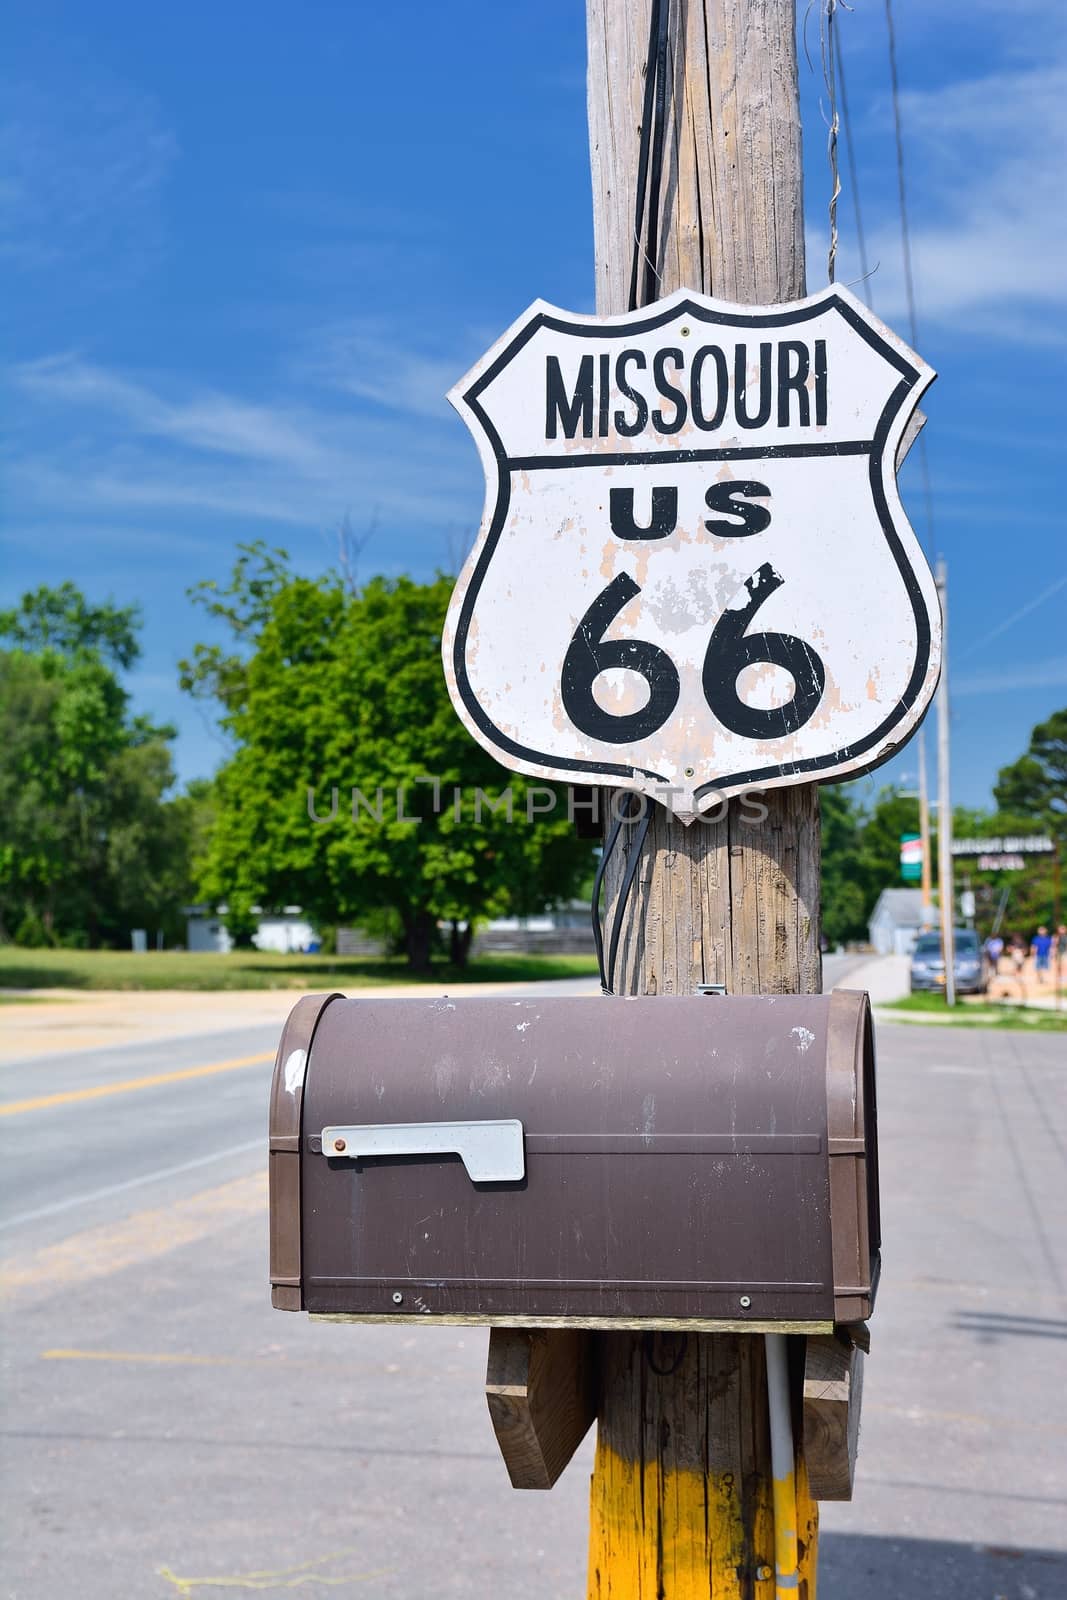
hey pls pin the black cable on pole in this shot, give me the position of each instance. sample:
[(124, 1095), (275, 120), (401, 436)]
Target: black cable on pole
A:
[(650, 156), (644, 820), (659, 135), (643, 153), (598, 936), (646, 248), (853, 178)]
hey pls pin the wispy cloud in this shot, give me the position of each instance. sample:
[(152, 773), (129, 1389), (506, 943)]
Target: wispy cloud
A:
[(212, 422), (986, 158), (80, 170), (366, 359), (132, 445), (1049, 674)]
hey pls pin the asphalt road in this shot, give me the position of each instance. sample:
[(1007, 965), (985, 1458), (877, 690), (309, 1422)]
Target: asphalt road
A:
[(165, 1433)]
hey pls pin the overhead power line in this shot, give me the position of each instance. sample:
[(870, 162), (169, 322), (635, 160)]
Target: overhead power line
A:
[(1016, 616), (828, 52), (905, 241), (853, 177), (905, 231)]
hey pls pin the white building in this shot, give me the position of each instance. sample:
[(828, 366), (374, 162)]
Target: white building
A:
[(287, 931), (896, 921)]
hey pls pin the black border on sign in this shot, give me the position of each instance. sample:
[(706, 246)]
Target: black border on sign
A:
[(910, 376)]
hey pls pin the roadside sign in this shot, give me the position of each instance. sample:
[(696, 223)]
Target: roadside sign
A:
[(1020, 844), (911, 857), (694, 575)]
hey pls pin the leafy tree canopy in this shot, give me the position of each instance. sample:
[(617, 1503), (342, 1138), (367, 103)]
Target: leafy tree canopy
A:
[(89, 848), (844, 902), (1034, 788), (860, 855), (326, 691), (62, 620), (861, 845)]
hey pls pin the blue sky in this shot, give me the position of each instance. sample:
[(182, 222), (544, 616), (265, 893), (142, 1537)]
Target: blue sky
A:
[(246, 248)]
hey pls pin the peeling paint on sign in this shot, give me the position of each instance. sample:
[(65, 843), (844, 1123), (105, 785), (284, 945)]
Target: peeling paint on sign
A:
[(694, 575)]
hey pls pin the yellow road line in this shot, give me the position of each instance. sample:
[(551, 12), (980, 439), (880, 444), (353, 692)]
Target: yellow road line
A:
[(307, 1573), (145, 1236), (275, 1363), (15, 1108), (153, 1357)]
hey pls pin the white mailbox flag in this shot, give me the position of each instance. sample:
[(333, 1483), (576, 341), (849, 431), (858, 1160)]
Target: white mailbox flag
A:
[(694, 575)]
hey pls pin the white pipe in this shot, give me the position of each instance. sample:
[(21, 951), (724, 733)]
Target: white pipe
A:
[(781, 1417), (786, 1577)]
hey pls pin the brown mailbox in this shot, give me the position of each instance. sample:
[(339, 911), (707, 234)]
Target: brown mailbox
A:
[(627, 1162)]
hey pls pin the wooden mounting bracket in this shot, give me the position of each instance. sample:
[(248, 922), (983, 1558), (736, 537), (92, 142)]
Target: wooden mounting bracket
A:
[(541, 1385), (833, 1389)]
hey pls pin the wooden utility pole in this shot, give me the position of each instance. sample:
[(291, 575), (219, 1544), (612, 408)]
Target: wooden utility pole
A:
[(682, 1487)]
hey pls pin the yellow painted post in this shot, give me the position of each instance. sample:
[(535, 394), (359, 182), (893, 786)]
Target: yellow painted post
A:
[(665, 1519)]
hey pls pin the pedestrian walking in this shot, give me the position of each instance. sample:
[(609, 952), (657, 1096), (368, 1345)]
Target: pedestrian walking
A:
[(1041, 950), (994, 949)]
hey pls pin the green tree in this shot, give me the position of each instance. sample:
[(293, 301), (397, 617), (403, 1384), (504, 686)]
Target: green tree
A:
[(1031, 796), (88, 845), (844, 905), (1034, 788), (62, 620), (325, 692), (892, 815)]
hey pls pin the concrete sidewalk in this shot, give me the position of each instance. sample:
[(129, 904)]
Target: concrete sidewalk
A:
[(885, 978)]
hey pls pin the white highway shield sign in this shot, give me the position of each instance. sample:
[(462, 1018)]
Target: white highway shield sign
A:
[(694, 575)]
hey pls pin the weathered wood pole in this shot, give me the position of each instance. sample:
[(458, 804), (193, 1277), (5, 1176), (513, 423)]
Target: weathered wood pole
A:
[(681, 1490)]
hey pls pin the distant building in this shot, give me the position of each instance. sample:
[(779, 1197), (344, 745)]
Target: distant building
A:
[(896, 921), (287, 931), (566, 930)]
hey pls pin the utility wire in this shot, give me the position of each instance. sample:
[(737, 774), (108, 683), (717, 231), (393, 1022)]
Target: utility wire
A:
[(828, 50), (1016, 616), (905, 232), (905, 240), (853, 177)]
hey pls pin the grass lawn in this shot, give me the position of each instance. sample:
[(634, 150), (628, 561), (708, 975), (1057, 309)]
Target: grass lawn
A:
[(922, 1007), (249, 969)]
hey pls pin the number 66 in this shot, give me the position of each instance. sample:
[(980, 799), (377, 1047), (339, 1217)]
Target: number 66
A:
[(730, 650)]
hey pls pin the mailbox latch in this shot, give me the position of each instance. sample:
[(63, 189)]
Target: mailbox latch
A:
[(492, 1152)]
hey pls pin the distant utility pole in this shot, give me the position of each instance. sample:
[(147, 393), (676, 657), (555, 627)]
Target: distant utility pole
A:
[(944, 802), (924, 834)]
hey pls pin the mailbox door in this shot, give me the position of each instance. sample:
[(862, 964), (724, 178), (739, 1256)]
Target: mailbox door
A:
[(674, 1160)]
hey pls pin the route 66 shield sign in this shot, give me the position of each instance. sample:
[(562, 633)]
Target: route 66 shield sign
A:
[(694, 575)]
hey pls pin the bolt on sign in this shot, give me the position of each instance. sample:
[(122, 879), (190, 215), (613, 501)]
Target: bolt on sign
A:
[(694, 575)]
